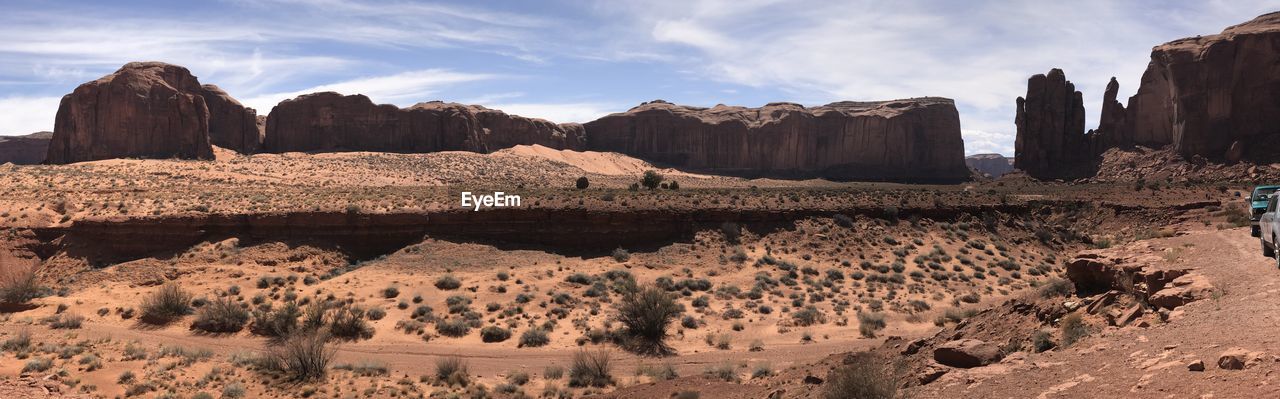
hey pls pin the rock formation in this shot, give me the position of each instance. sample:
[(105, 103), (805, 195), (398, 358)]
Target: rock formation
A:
[(1211, 97), (1203, 94), (334, 122), (24, 150), (915, 139), (994, 165), (1112, 128), (1051, 143), (143, 110), (231, 125)]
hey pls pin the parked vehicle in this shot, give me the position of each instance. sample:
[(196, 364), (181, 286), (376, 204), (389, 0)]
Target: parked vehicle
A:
[(1269, 224), (1258, 205)]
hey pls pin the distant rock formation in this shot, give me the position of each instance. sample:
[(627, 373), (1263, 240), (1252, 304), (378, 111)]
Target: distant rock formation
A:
[(994, 165), (24, 150), (231, 125), (1112, 130), (1051, 141), (333, 122), (912, 140), (143, 110)]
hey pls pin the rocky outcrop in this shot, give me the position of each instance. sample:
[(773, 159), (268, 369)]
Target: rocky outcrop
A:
[(24, 150), (143, 110), (334, 122), (231, 125), (1204, 93), (993, 165), (1112, 129), (967, 353), (1051, 141), (914, 139), (1145, 276)]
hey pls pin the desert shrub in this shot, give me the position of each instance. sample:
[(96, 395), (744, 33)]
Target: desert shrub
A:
[(534, 337), (20, 341), (302, 356), (452, 327), (347, 322), (276, 323), (1073, 329), (223, 315), (66, 321), (862, 378), (37, 365), (582, 183), (664, 372), (233, 390), (494, 334), (843, 220), (452, 370), (391, 292), (645, 315), (808, 316), (18, 283), (367, 368), (621, 255), (376, 313), (1056, 287), (725, 371), (869, 323), (651, 180), (591, 369), (1042, 341), (448, 282), (166, 304)]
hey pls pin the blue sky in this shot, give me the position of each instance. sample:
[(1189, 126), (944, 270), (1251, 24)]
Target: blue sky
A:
[(573, 61)]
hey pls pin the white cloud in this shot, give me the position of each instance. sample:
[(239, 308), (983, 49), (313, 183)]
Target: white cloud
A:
[(405, 88), (23, 115)]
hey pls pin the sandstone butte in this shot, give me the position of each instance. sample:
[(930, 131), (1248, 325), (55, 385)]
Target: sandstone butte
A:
[(914, 139), (1210, 97), (328, 121), (157, 110), (147, 110)]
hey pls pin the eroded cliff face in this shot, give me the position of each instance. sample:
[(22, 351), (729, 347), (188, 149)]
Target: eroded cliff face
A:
[(913, 140), (25, 150), (143, 110), (1203, 94), (231, 125), (334, 122), (1051, 141)]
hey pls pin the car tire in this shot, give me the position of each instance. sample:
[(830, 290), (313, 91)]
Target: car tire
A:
[(1267, 251), (1255, 231)]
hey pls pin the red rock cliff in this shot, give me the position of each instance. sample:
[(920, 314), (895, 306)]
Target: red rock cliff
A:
[(1204, 93), (143, 110), (334, 122), (24, 150), (915, 139), (231, 125)]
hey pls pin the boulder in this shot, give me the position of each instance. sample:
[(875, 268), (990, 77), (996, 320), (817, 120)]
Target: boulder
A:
[(333, 122), (1185, 289), (1238, 359), (1051, 141), (966, 353), (905, 140), (143, 110), (24, 150), (231, 125)]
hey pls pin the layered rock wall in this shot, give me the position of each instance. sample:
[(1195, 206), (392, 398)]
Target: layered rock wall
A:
[(915, 139)]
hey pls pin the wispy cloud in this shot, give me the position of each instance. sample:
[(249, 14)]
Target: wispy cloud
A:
[(559, 112)]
